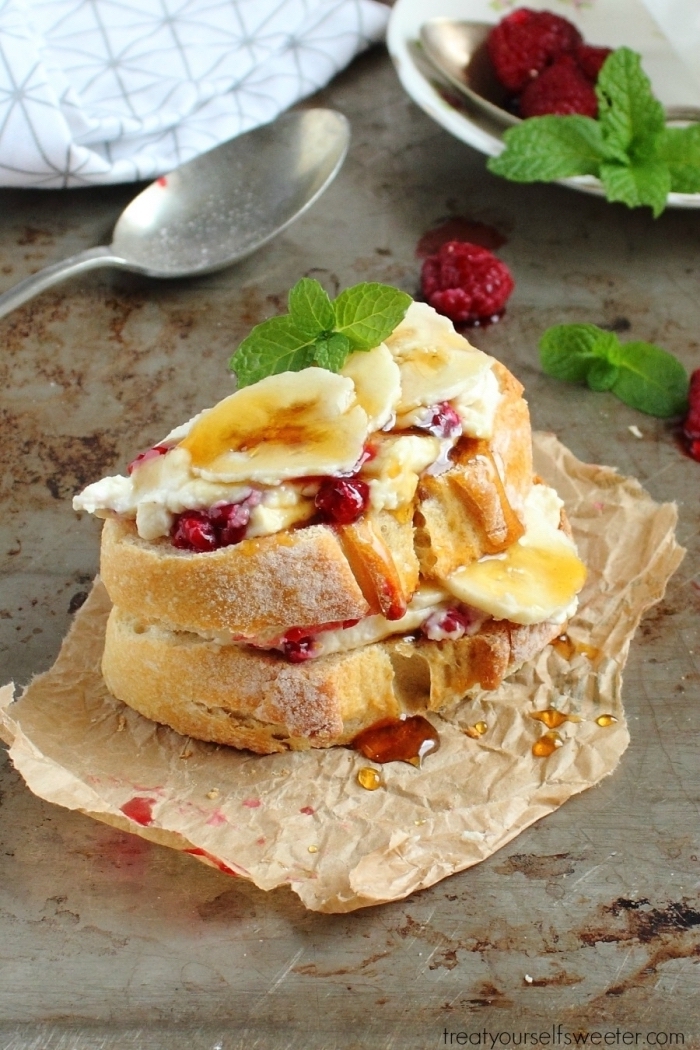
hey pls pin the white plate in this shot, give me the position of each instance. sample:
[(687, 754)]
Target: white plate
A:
[(675, 74)]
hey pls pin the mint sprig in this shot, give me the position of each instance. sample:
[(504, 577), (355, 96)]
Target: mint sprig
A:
[(318, 330), (637, 158), (641, 374)]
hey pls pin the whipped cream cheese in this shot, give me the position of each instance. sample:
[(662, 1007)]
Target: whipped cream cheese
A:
[(274, 437)]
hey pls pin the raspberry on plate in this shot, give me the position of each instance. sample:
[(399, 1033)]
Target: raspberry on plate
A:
[(590, 59), (525, 42), (466, 283), (561, 88)]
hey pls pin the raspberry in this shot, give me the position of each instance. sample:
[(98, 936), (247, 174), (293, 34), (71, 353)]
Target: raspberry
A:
[(525, 42), (230, 521), (444, 421), (562, 88), (208, 530), (143, 457), (297, 650), (451, 623), (466, 283), (691, 424), (342, 500), (590, 59), (193, 531)]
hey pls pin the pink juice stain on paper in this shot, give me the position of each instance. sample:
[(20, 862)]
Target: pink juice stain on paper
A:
[(139, 809), (195, 851)]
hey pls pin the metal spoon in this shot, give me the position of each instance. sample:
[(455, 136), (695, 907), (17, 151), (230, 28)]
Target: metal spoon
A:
[(458, 51), (218, 208)]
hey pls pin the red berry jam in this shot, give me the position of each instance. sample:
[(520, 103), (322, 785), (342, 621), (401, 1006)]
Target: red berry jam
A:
[(444, 422), (451, 624), (297, 650), (342, 500), (143, 457), (230, 521), (193, 531), (208, 530)]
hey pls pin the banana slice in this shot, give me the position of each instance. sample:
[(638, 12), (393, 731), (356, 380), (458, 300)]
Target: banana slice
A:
[(436, 363), (536, 579), (286, 426), (377, 382)]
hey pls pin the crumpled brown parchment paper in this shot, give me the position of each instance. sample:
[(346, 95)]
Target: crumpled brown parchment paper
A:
[(302, 819)]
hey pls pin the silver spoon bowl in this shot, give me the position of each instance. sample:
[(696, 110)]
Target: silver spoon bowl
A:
[(216, 209), (458, 51)]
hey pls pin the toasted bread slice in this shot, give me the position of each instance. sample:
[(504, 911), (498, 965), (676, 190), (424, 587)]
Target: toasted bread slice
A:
[(246, 698), (259, 588)]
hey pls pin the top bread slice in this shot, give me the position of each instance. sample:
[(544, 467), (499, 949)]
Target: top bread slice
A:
[(317, 576)]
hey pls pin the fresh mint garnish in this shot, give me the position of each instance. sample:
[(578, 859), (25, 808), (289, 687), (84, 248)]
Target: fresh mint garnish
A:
[(543, 149), (637, 158), (641, 374), (318, 330), (629, 115), (680, 148), (310, 307)]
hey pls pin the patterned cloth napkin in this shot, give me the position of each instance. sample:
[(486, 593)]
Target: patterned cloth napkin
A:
[(104, 91)]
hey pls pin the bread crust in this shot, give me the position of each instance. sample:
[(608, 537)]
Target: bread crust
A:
[(256, 589), (247, 698)]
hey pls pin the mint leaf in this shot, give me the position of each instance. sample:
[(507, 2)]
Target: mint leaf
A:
[(639, 183), (640, 374), (274, 346), (651, 380), (680, 149), (310, 308), (368, 313), (602, 375), (332, 352), (570, 351), (630, 117), (543, 149), (318, 331)]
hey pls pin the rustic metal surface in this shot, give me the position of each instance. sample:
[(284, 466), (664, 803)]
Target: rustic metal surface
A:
[(591, 919)]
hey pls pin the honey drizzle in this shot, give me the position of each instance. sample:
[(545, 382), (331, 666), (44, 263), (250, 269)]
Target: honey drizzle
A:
[(547, 745), (567, 648), (398, 740), (476, 731), (605, 720), (369, 778), (553, 718)]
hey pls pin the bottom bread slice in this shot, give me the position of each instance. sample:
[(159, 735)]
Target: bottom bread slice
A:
[(255, 699)]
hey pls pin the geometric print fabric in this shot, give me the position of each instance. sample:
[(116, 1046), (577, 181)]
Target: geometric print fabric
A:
[(103, 91)]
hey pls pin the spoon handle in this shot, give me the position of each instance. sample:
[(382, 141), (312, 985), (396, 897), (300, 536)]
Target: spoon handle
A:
[(89, 259)]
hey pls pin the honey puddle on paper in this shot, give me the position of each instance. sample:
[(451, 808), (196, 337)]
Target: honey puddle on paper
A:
[(398, 740), (567, 648)]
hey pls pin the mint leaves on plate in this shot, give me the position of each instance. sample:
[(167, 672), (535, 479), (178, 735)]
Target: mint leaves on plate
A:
[(318, 330), (629, 148), (642, 375)]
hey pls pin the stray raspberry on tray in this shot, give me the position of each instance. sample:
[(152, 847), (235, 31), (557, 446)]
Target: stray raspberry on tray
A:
[(561, 88), (525, 42), (466, 283), (691, 424)]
